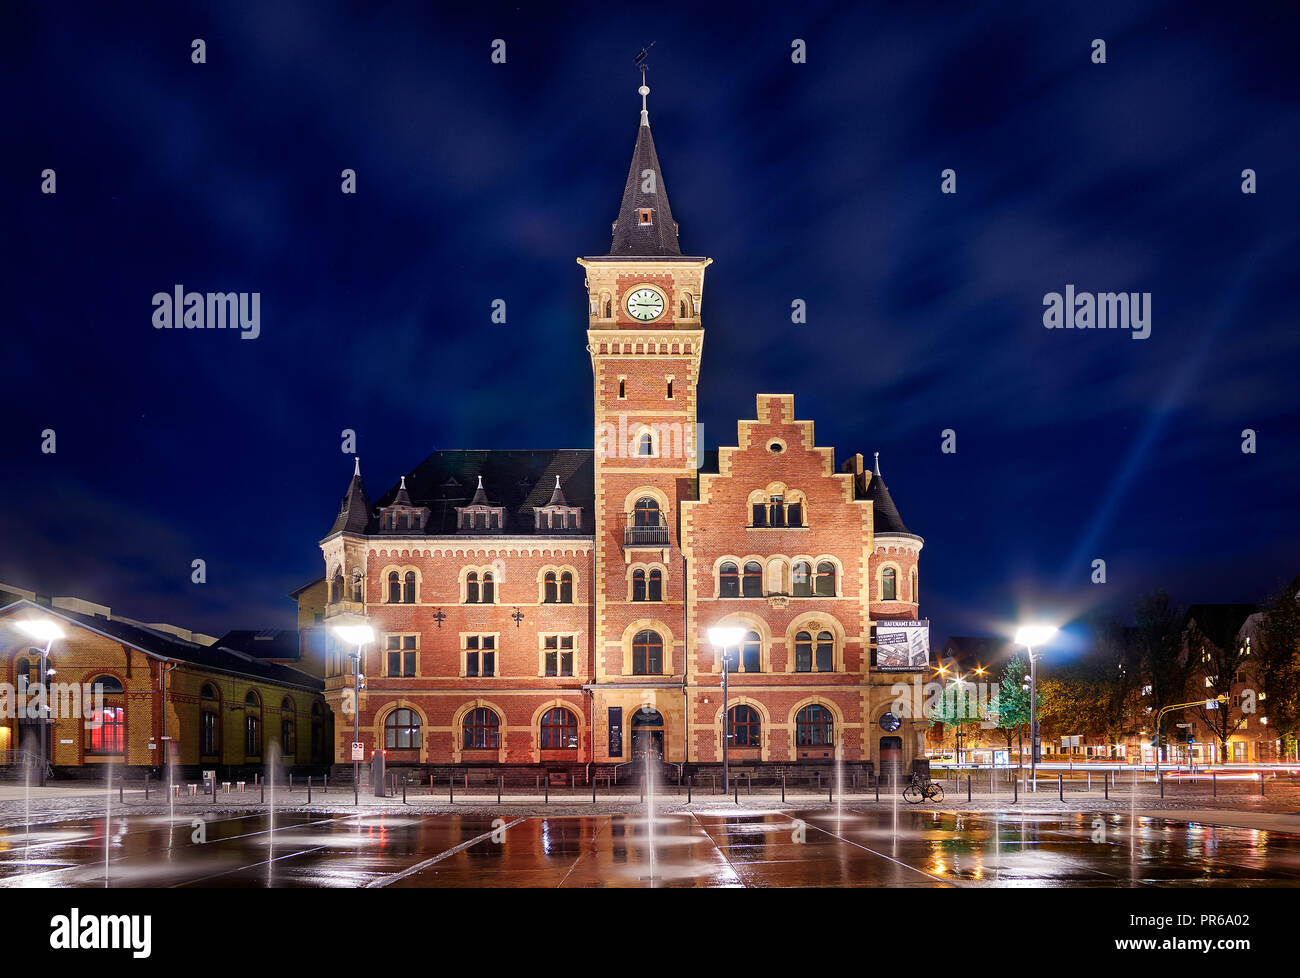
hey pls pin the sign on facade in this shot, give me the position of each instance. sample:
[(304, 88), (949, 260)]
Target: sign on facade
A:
[(902, 644)]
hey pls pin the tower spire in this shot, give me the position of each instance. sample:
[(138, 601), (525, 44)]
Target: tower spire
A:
[(645, 225), (877, 463)]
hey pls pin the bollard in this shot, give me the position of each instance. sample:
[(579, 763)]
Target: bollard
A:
[(830, 791), (1105, 780), (819, 781), (782, 787), (1089, 780), (968, 787), (430, 785), (1161, 779), (403, 789), (355, 792), (1015, 791), (749, 780), (877, 789), (325, 786), (291, 781), (1261, 784), (1060, 785), (146, 785), (537, 783), (308, 789), (119, 791), (451, 790), (501, 783), (1214, 782), (737, 787), (593, 791), (548, 791), (689, 780), (264, 792)]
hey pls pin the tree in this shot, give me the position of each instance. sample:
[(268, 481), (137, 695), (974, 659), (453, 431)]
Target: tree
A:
[(1160, 653), (1013, 698), (958, 706), (1216, 648), (1277, 650)]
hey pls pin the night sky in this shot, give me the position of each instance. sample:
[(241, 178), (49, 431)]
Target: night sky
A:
[(818, 181)]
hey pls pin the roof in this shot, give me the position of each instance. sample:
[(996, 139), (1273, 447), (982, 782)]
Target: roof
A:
[(645, 190), (519, 481), (269, 643), (211, 657), (354, 511), (886, 518)]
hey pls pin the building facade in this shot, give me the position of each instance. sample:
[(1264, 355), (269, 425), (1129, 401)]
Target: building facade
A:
[(554, 608)]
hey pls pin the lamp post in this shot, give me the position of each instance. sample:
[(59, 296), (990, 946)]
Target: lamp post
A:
[(724, 637), (1029, 636), (360, 636), (46, 630)]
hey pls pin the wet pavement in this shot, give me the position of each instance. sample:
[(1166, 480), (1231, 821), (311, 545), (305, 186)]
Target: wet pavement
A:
[(814, 847)]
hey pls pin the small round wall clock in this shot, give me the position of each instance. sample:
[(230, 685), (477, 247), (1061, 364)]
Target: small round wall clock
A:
[(890, 722)]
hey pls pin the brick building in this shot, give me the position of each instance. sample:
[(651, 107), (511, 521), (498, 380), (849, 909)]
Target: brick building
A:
[(553, 608)]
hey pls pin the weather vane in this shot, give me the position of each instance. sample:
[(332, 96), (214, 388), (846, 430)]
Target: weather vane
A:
[(640, 60)]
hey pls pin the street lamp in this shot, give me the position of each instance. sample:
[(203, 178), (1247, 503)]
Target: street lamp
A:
[(42, 629), (358, 635), (1029, 636), (724, 637)]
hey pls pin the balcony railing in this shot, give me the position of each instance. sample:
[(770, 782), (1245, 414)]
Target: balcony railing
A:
[(645, 536)]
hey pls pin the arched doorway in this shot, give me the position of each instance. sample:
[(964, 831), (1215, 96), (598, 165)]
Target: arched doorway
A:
[(647, 734), (891, 759)]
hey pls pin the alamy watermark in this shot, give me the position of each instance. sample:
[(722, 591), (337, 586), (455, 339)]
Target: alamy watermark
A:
[(1098, 310), (56, 701), (627, 438), (952, 702), (179, 309)]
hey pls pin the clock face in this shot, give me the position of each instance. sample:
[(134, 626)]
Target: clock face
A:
[(890, 722), (645, 304)]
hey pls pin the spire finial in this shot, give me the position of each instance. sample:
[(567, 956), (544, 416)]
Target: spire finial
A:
[(480, 482), (877, 463), (557, 482), (644, 90), (403, 485), (356, 470)]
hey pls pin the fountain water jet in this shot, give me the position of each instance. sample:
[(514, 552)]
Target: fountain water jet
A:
[(108, 819), (650, 812)]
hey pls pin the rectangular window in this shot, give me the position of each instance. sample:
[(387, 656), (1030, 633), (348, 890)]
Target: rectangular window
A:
[(480, 655), (760, 514), (401, 655), (552, 658), (778, 511), (794, 514), (557, 655), (670, 389)]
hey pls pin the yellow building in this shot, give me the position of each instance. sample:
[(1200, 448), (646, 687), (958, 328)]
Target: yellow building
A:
[(161, 691)]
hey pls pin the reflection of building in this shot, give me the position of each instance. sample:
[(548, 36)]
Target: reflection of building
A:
[(218, 708), (553, 607)]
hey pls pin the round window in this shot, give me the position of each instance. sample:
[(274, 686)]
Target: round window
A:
[(890, 722)]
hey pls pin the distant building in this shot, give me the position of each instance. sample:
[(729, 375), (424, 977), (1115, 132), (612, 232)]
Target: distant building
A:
[(217, 708)]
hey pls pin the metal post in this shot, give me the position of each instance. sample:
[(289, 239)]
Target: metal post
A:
[(403, 789), (593, 791), (214, 797), (325, 784), (737, 789), (968, 787), (264, 792), (1261, 784), (1060, 785), (1214, 782), (1033, 719), (726, 722), (830, 791), (1106, 783), (501, 783), (146, 785), (120, 790), (749, 780), (1015, 791), (451, 790), (547, 785), (1162, 785), (783, 787), (689, 780), (355, 789), (877, 788), (356, 719)]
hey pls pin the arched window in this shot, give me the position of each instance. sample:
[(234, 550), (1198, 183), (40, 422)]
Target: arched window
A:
[(394, 588), (814, 727), (481, 729), (794, 513), (825, 652), (401, 729), (408, 595), (647, 654), (646, 512), (471, 587), (336, 585), (550, 587), (888, 584), (803, 652), (108, 724), (729, 580), (915, 594), (753, 585), (559, 730), (749, 657), (745, 729), (802, 579), (566, 588), (22, 675), (655, 592), (288, 728), (638, 585), (209, 721), (252, 725), (645, 445), (489, 588), (609, 308), (825, 579)]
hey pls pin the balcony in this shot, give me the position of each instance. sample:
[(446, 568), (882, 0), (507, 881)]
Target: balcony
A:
[(646, 535)]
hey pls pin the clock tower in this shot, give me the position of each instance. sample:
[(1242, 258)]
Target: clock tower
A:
[(645, 338)]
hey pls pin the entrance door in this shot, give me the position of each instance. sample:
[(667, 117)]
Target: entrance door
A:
[(647, 734), (891, 758)]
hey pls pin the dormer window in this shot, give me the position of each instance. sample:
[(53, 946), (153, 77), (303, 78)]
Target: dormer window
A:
[(645, 216)]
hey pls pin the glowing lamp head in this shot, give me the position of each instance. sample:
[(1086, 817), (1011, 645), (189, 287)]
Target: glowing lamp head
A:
[(1031, 635), (355, 634), (41, 629), (726, 636)]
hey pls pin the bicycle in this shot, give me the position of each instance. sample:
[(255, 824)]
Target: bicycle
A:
[(919, 791)]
